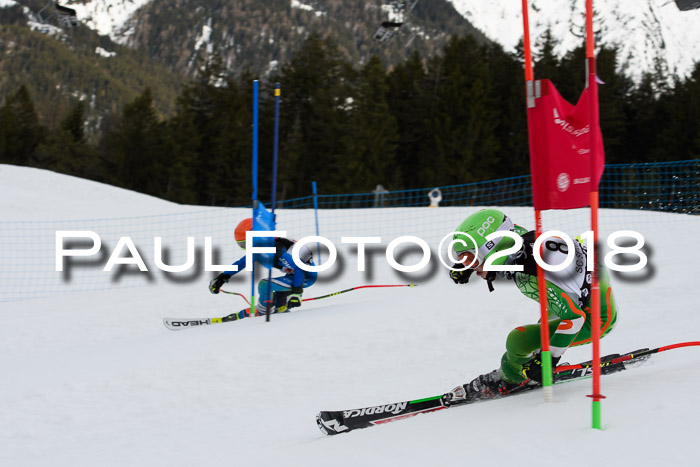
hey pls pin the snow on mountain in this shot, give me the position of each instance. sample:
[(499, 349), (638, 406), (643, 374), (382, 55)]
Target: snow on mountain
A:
[(643, 29), (108, 17)]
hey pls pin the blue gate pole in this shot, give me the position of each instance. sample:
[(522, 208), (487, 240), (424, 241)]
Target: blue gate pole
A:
[(274, 187), (318, 244), (255, 182)]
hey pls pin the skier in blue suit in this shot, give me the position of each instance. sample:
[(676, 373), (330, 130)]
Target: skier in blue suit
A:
[(286, 290)]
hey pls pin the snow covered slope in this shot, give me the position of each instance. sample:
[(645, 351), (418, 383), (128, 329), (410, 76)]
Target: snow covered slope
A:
[(94, 378), (25, 197), (643, 29)]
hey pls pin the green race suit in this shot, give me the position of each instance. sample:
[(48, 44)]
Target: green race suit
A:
[(567, 304)]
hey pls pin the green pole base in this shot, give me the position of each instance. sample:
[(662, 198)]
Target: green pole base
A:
[(596, 415), (547, 375), (546, 356)]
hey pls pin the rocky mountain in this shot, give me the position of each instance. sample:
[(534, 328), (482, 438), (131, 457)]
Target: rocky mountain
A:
[(105, 52), (260, 35), (650, 34), (60, 63), (112, 49)]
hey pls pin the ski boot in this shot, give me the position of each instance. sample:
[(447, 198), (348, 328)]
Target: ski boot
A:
[(236, 316), (488, 386), (279, 301)]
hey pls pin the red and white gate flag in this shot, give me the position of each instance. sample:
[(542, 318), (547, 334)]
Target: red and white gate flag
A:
[(563, 174)]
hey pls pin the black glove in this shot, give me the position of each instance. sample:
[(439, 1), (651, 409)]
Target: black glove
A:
[(294, 299), (533, 369), (490, 277), (217, 282), (461, 275)]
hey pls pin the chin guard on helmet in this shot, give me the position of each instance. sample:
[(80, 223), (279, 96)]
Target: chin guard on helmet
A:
[(471, 237)]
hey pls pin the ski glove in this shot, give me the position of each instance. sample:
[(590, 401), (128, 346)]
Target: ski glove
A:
[(294, 299), (533, 369), (217, 282), (461, 275)]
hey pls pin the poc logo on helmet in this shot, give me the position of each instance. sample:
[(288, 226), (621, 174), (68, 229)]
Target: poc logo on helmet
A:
[(487, 223)]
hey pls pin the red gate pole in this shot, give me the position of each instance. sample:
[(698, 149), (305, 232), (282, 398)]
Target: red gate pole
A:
[(541, 285), (595, 287)]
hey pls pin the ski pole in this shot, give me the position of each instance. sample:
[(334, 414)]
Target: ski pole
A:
[(630, 356), (176, 324), (355, 288), (235, 293), (323, 296)]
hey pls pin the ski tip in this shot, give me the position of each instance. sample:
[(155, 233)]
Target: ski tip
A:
[(177, 324), (168, 323)]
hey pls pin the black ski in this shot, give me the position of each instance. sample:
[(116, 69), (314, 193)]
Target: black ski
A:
[(343, 421)]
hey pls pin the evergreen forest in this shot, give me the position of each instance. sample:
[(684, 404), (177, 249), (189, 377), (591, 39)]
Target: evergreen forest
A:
[(452, 118)]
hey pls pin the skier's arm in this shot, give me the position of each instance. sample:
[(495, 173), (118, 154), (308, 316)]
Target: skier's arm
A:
[(288, 264), (218, 281), (241, 263)]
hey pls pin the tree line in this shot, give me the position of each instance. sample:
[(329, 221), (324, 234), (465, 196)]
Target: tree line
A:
[(452, 118)]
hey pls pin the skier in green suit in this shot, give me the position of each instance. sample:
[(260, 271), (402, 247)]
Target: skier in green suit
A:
[(568, 296)]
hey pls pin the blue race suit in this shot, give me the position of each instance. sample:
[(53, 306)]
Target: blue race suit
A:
[(294, 275)]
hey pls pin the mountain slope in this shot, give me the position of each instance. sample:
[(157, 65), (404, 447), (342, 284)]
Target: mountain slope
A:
[(121, 47), (648, 32), (61, 65), (262, 34)]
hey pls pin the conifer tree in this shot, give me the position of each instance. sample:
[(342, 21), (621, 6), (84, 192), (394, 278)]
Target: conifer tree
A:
[(508, 92), (230, 179), (65, 149), (20, 131), (546, 62), (135, 147), (74, 122), (678, 131), (408, 102), (194, 130), (612, 98), (465, 116), (642, 113), (371, 133), (315, 100)]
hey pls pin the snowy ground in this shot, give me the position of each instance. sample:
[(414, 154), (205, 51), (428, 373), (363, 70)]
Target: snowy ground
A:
[(94, 378)]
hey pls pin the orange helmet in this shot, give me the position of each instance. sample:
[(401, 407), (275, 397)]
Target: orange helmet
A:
[(242, 227)]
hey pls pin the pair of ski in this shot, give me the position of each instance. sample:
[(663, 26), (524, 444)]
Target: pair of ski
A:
[(343, 421), (178, 324)]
